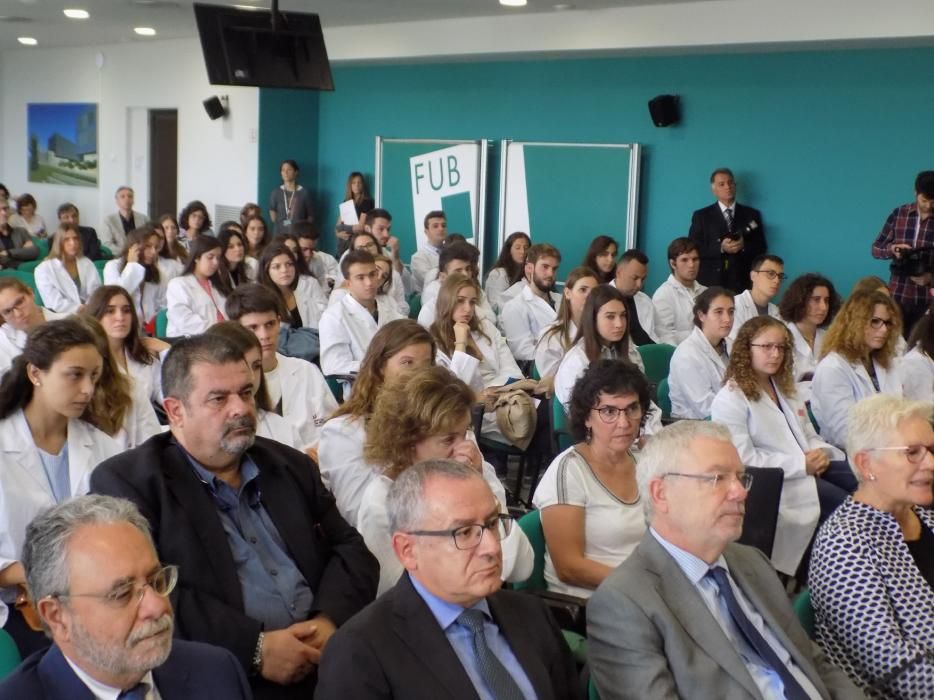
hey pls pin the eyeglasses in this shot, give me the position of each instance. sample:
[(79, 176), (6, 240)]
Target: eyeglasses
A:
[(162, 583), (773, 275), (913, 453), (17, 307), (715, 481), (877, 322), (469, 536), (610, 414), (771, 347)]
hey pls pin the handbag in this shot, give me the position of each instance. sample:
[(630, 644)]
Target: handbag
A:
[(516, 417)]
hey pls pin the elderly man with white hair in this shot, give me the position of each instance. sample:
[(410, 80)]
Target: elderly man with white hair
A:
[(872, 568), (690, 613)]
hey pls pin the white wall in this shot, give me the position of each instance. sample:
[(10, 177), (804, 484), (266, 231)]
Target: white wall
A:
[(217, 160)]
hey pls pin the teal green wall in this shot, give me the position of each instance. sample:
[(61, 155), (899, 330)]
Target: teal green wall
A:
[(824, 143), (288, 129)]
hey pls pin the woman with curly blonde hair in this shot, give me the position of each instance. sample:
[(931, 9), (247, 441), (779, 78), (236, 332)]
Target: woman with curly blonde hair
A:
[(770, 428), (425, 414), (858, 360)]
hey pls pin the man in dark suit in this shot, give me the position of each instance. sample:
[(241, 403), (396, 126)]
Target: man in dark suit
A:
[(102, 595), (90, 243), (729, 236), (268, 567), (691, 614), (446, 630)]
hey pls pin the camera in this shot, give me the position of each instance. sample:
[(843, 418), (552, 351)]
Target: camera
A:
[(913, 263), (749, 228)]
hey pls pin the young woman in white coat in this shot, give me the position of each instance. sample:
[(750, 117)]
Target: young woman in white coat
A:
[(242, 269), (301, 295), (47, 448), (196, 299), (20, 314), (770, 428), (603, 332), (558, 338), (65, 279), (858, 361), (424, 415), (172, 254), (137, 271), (698, 363), (808, 307), (508, 269), (916, 366)]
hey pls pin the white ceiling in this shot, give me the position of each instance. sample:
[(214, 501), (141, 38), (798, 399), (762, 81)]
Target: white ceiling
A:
[(112, 21)]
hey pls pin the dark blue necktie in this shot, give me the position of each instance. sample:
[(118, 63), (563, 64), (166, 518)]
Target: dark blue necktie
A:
[(793, 689), (137, 692), (501, 684)]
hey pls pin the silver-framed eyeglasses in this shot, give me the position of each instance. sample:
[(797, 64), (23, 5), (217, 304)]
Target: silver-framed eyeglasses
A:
[(780, 348), (610, 414), (913, 453), (718, 480), (162, 583), (469, 536)]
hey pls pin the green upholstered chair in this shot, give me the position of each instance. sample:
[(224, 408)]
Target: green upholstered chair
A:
[(9, 654), (657, 360), (415, 305), (162, 323), (805, 611), (664, 397), (559, 425)]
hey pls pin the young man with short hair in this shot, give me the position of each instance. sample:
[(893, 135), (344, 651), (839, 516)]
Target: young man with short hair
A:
[(347, 326), (674, 300), (297, 389), (425, 258), (524, 316), (631, 272), (118, 225), (767, 275)]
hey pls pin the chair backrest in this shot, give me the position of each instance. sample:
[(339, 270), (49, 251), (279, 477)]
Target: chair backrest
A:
[(762, 503), (99, 264), (657, 360), (162, 323), (805, 611), (559, 425), (531, 524), (9, 654), (592, 693), (663, 394), (415, 305)]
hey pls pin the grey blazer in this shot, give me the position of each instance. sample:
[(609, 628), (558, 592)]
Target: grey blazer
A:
[(113, 236), (650, 635)]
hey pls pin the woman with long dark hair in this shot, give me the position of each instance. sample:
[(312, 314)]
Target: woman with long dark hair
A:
[(172, 254), (136, 269), (558, 338), (301, 295), (508, 269), (808, 306), (363, 203), (196, 300), (601, 258), (240, 267)]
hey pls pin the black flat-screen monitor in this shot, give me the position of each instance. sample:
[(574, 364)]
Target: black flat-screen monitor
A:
[(241, 47)]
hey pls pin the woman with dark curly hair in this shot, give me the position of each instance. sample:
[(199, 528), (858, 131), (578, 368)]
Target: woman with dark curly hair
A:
[(601, 258), (807, 308), (588, 497), (770, 428), (425, 415), (194, 221), (858, 361)]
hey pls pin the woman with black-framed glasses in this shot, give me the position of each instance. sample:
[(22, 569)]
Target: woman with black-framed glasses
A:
[(858, 360), (588, 497), (872, 568), (770, 428)]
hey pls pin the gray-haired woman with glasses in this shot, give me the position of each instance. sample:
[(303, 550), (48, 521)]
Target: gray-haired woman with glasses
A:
[(770, 428), (588, 497), (872, 569)]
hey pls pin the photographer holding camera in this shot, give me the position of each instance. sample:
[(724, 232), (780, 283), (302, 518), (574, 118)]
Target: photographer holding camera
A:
[(907, 238)]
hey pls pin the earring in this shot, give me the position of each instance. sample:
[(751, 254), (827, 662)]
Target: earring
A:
[(589, 435), (872, 477)]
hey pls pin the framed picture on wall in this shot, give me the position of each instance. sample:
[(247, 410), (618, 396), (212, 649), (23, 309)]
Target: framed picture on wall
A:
[(61, 143)]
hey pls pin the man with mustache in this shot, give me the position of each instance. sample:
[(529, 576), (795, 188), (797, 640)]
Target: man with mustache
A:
[(102, 595), (690, 613), (529, 310), (267, 566)]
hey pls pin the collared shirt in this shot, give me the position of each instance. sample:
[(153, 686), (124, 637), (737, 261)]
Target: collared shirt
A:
[(461, 640), (274, 590), (904, 226), (765, 678), (105, 692)]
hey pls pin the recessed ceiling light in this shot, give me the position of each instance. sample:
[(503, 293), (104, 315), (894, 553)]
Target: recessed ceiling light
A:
[(249, 7), (513, 3), (76, 14), (27, 40), (145, 31)]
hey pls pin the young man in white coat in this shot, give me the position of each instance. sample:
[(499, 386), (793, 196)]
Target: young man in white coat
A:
[(523, 317), (425, 259), (674, 300), (767, 275), (631, 272), (297, 389), (347, 327)]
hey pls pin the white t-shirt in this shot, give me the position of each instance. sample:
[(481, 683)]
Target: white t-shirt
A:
[(612, 528), (273, 385)]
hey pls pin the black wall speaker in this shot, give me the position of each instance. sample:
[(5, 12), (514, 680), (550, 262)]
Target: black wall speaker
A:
[(214, 107), (665, 110)]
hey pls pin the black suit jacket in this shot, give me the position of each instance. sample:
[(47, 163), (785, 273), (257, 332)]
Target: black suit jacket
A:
[(90, 243), (396, 649), (192, 672), (330, 554), (708, 228)]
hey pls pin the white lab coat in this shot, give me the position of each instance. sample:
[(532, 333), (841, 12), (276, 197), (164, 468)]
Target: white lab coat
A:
[(518, 556), (427, 314), (917, 374), (424, 264), (307, 401), (746, 309), (695, 376), (344, 470), (147, 297), (169, 269), (147, 377), (324, 267), (497, 366), (549, 351), (191, 310), (497, 282), (522, 319), (838, 384), (310, 300), (396, 289), (346, 329), (275, 427), (674, 310), (24, 487), (59, 291), (805, 358), (768, 436)]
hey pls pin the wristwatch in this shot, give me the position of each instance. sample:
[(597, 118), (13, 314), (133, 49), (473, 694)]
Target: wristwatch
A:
[(256, 666)]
